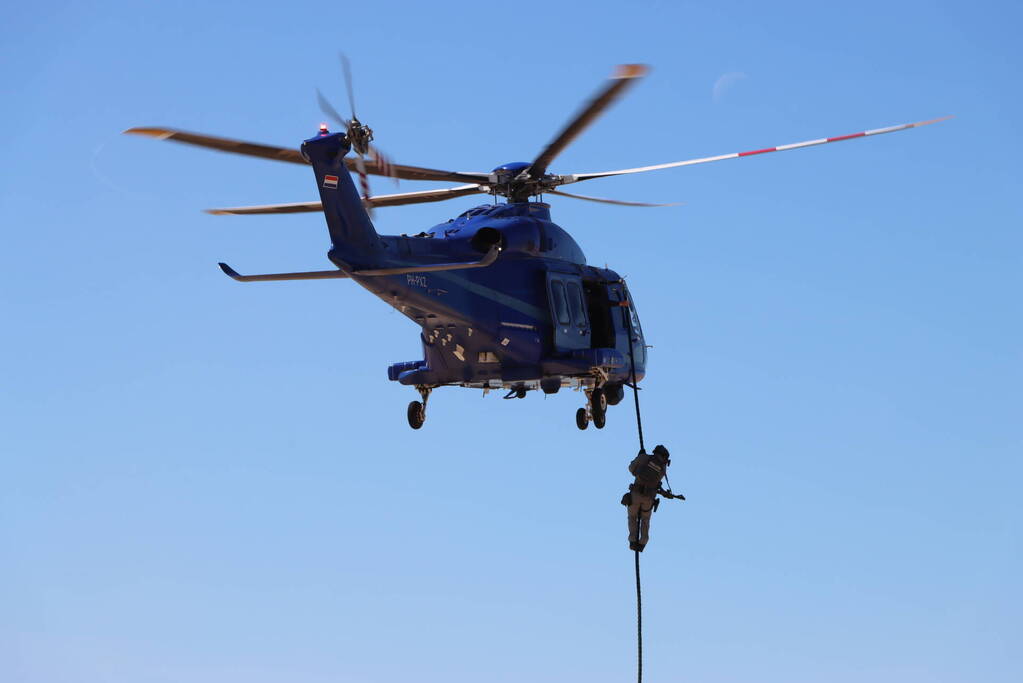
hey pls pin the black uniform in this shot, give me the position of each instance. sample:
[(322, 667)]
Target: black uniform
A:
[(649, 470)]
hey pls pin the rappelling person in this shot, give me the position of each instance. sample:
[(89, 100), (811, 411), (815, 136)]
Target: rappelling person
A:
[(641, 500)]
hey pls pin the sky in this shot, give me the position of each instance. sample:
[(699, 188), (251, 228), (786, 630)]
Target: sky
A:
[(207, 481)]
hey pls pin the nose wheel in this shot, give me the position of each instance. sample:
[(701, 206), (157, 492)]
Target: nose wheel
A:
[(595, 410), (417, 409)]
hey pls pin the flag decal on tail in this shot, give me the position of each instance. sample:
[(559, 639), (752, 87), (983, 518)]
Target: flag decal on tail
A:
[(330, 182)]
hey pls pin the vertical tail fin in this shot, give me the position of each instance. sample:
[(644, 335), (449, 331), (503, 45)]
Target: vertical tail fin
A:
[(351, 230)]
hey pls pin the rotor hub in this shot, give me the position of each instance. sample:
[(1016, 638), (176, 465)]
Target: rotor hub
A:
[(359, 135), (513, 180)]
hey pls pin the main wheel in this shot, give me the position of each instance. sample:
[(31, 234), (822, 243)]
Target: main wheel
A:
[(416, 414), (581, 421), (598, 400), (599, 417)]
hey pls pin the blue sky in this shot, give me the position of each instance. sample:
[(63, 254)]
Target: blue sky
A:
[(208, 481)]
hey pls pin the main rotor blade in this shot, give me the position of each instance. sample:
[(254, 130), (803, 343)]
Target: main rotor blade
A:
[(297, 207), (607, 201), (380, 200), (251, 149), (426, 196), (295, 157), (374, 167), (576, 177), (623, 76)]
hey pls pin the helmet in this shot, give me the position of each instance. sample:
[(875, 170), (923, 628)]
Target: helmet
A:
[(662, 451)]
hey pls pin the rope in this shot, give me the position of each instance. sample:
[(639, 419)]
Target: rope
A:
[(635, 387), (627, 305), (632, 359), (639, 626)]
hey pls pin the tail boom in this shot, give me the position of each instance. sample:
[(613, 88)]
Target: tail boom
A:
[(351, 231)]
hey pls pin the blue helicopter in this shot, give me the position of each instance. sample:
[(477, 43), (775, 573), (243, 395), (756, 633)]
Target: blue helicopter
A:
[(503, 296)]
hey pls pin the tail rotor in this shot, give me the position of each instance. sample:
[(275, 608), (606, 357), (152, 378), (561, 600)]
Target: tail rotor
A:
[(359, 135)]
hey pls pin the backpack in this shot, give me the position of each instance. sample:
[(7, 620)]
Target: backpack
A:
[(651, 471)]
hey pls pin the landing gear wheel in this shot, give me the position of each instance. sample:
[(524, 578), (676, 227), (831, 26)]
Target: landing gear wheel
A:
[(582, 420), (416, 414), (598, 407)]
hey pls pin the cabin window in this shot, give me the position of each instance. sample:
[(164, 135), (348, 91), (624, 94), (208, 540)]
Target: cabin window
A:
[(575, 300), (487, 357), (560, 302)]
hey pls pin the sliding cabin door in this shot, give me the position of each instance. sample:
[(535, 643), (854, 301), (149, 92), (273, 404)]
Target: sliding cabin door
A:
[(568, 312)]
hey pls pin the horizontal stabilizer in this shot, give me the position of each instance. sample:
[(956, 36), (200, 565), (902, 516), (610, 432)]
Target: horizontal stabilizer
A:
[(487, 260), (308, 275)]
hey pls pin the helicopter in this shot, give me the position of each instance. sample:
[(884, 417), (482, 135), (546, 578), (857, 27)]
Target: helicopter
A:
[(503, 296)]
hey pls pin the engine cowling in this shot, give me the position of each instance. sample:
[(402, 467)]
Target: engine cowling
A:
[(521, 236)]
